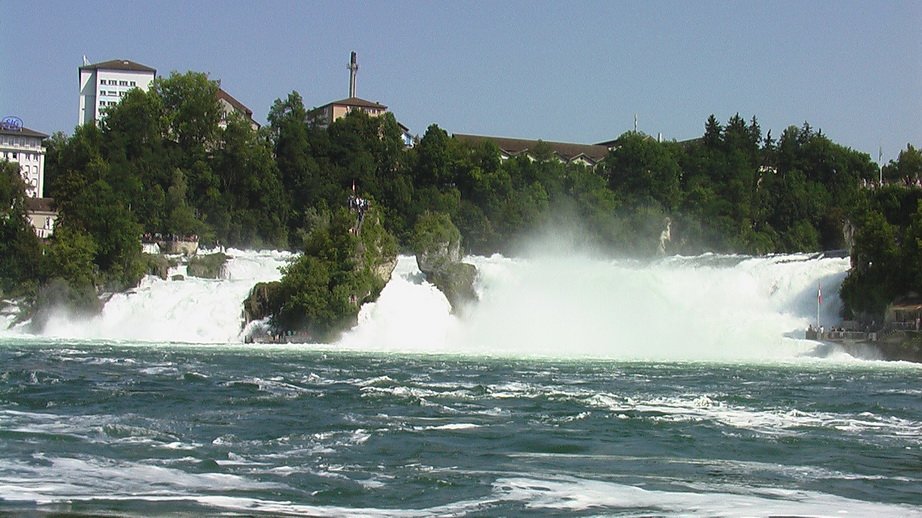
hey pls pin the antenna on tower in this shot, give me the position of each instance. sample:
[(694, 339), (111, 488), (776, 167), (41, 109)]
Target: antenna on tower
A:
[(353, 68), (635, 123), (880, 164)]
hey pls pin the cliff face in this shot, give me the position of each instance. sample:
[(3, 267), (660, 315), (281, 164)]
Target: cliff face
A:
[(209, 266), (901, 346), (437, 243), (456, 281), (259, 303)]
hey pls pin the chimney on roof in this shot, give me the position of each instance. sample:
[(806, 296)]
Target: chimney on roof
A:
[(353, 68)]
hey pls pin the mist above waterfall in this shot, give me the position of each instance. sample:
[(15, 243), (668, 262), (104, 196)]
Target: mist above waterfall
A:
[(706, 307)]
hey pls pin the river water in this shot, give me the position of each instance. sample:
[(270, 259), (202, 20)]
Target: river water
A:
[(549, 398)]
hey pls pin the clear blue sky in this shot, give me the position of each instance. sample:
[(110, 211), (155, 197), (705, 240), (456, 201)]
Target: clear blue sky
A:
[(564, 70)]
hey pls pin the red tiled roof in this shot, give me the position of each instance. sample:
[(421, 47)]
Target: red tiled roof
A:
[(514, 146), (234, 102), (119, 64), (357, 102)]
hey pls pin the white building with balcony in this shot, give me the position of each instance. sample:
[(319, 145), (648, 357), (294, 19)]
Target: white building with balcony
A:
[(104, 84), (24, 147)]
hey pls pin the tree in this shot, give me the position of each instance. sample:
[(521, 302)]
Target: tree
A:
[(181, 220), (435, 159), (907, 167), (642, 170), (299, 172), (191, 110), (254, 209), (712, 133), (872, 282), (70, 256), (20, 252)]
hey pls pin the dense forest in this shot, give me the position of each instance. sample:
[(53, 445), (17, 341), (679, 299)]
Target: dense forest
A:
[(164, 161)]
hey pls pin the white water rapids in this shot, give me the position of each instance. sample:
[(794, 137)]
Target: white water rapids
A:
[(706, 307)]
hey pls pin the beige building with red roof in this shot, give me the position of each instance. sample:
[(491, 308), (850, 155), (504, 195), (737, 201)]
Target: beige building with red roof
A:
[(326, 114)]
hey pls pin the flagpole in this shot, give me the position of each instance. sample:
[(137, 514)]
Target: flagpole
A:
[(819, 300)]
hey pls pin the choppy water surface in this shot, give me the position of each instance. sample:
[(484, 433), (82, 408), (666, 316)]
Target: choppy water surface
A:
[(154, 429)]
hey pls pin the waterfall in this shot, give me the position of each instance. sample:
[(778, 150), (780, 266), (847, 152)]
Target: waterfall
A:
[(191, 310), (704, 307)]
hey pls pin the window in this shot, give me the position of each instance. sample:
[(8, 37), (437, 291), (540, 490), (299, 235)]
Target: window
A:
[(132, 83), (123, 83), (102, 103)]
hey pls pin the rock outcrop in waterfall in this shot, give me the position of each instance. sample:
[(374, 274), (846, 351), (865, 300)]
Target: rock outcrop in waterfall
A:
[(437, 244), (347, 261)]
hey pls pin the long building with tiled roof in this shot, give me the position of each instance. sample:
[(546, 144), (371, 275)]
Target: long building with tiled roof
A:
[(586, 154)]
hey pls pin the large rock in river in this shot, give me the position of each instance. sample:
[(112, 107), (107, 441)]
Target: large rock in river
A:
[(347, 261), (437, 244)]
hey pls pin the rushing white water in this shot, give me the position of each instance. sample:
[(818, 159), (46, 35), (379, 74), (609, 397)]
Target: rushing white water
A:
[(706, 307), (191, 310)]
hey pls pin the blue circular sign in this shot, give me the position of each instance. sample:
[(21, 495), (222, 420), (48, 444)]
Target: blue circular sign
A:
[(11, 123)]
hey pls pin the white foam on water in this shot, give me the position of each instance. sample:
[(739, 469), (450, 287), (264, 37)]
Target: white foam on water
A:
[(68, 480), (568, 494), (410, 315), (782, 421), (192, 310)]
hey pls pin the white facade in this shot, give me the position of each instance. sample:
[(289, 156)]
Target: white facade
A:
[(42, 216), (230, 107), (24, 147), (104, 84)]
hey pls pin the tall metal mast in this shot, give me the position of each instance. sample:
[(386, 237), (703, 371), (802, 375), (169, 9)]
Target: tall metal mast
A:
[(353, 68)]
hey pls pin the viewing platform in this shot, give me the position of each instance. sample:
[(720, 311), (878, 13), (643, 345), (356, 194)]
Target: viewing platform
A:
[(896, 341), (172, 244)]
